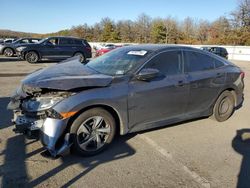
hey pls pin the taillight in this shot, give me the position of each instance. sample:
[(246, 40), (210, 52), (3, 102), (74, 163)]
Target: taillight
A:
[(88, 48), (242, 75)]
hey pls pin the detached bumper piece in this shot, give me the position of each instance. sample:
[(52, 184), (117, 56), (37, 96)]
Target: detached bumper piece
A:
[(27, 126), (50, 131)]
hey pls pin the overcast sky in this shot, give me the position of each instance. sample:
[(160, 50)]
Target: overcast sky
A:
[(43, 16)]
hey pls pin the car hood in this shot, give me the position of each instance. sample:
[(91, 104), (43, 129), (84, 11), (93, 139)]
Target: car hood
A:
[(67, 75)]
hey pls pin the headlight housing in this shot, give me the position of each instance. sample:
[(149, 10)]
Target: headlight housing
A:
[(40, 103), (21, 48)]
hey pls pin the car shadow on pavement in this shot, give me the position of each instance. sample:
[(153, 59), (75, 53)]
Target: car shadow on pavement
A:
[(241, 144), (14, 170), (5, 115), (9, 59), (118, 150)]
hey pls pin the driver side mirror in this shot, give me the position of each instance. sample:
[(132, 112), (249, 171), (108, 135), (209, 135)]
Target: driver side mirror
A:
[(147, 74)]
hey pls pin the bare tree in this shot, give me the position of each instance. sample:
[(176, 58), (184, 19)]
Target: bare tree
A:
[(143, 28), (172, 33), (202, 31), (188, 30), (241, 16), (125, 29)]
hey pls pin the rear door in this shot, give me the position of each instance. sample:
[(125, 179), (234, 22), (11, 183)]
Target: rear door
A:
[(162, 98), (205, 78), (67, 47)]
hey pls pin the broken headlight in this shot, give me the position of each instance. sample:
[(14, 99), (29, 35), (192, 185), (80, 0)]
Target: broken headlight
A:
[(40, 103)]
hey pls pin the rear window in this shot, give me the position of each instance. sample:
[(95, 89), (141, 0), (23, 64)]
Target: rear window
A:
[(65, 41), (218, 63), (86, 43), (79, 42), (224, 50), (195, 61)]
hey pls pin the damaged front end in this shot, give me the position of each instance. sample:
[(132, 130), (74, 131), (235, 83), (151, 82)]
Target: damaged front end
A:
[(35, 117), (42, 91)]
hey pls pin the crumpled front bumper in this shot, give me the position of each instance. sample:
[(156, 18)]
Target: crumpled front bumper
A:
[(50, 132)]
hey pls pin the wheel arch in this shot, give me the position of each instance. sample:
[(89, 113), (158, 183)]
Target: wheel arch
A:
[(10, 48), (78, 51), (121, 129), (31, 50), (232, 90)]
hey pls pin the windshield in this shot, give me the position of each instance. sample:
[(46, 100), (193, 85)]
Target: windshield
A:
[(119, 61), (41, 41), (17, 41)]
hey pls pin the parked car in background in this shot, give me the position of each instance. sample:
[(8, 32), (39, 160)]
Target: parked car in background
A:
[(220, 51), (9, 49), (105, 49), (129, 89), (55, 48), (8, 40)]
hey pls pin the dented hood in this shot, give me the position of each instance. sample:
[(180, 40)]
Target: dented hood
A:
[(67, 75)]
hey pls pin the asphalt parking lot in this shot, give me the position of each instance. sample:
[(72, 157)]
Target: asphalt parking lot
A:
[(199, 153)]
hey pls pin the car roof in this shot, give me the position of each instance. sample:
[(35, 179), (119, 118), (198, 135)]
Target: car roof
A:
[(163, 47), (157, 47), (66, 37), (28, 38)]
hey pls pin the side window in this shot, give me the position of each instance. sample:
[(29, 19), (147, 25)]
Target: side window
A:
[(53, 41), (224, 51), (34, 41), (218, 63), (195, 61), (64, 41), (24, 41), (78, 42), (168, 63)]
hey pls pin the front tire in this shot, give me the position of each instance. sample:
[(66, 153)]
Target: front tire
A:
[(8, 52), (92, 131), (224, 106), (31, 57)]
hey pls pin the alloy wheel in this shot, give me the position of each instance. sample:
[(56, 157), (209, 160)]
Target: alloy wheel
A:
[(93, 133)]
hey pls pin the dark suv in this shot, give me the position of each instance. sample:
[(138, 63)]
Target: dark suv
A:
[(217, 50), (56, 48)]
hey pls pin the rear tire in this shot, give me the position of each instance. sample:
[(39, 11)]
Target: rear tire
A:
[(8, 52), (92, 131), (82, 57), (31, 57), (224, 107)]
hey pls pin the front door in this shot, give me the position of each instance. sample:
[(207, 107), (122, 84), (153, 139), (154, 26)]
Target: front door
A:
[(163, 98), (51, 49)]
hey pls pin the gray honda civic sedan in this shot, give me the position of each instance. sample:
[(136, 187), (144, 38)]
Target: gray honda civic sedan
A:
[(134, 88)]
